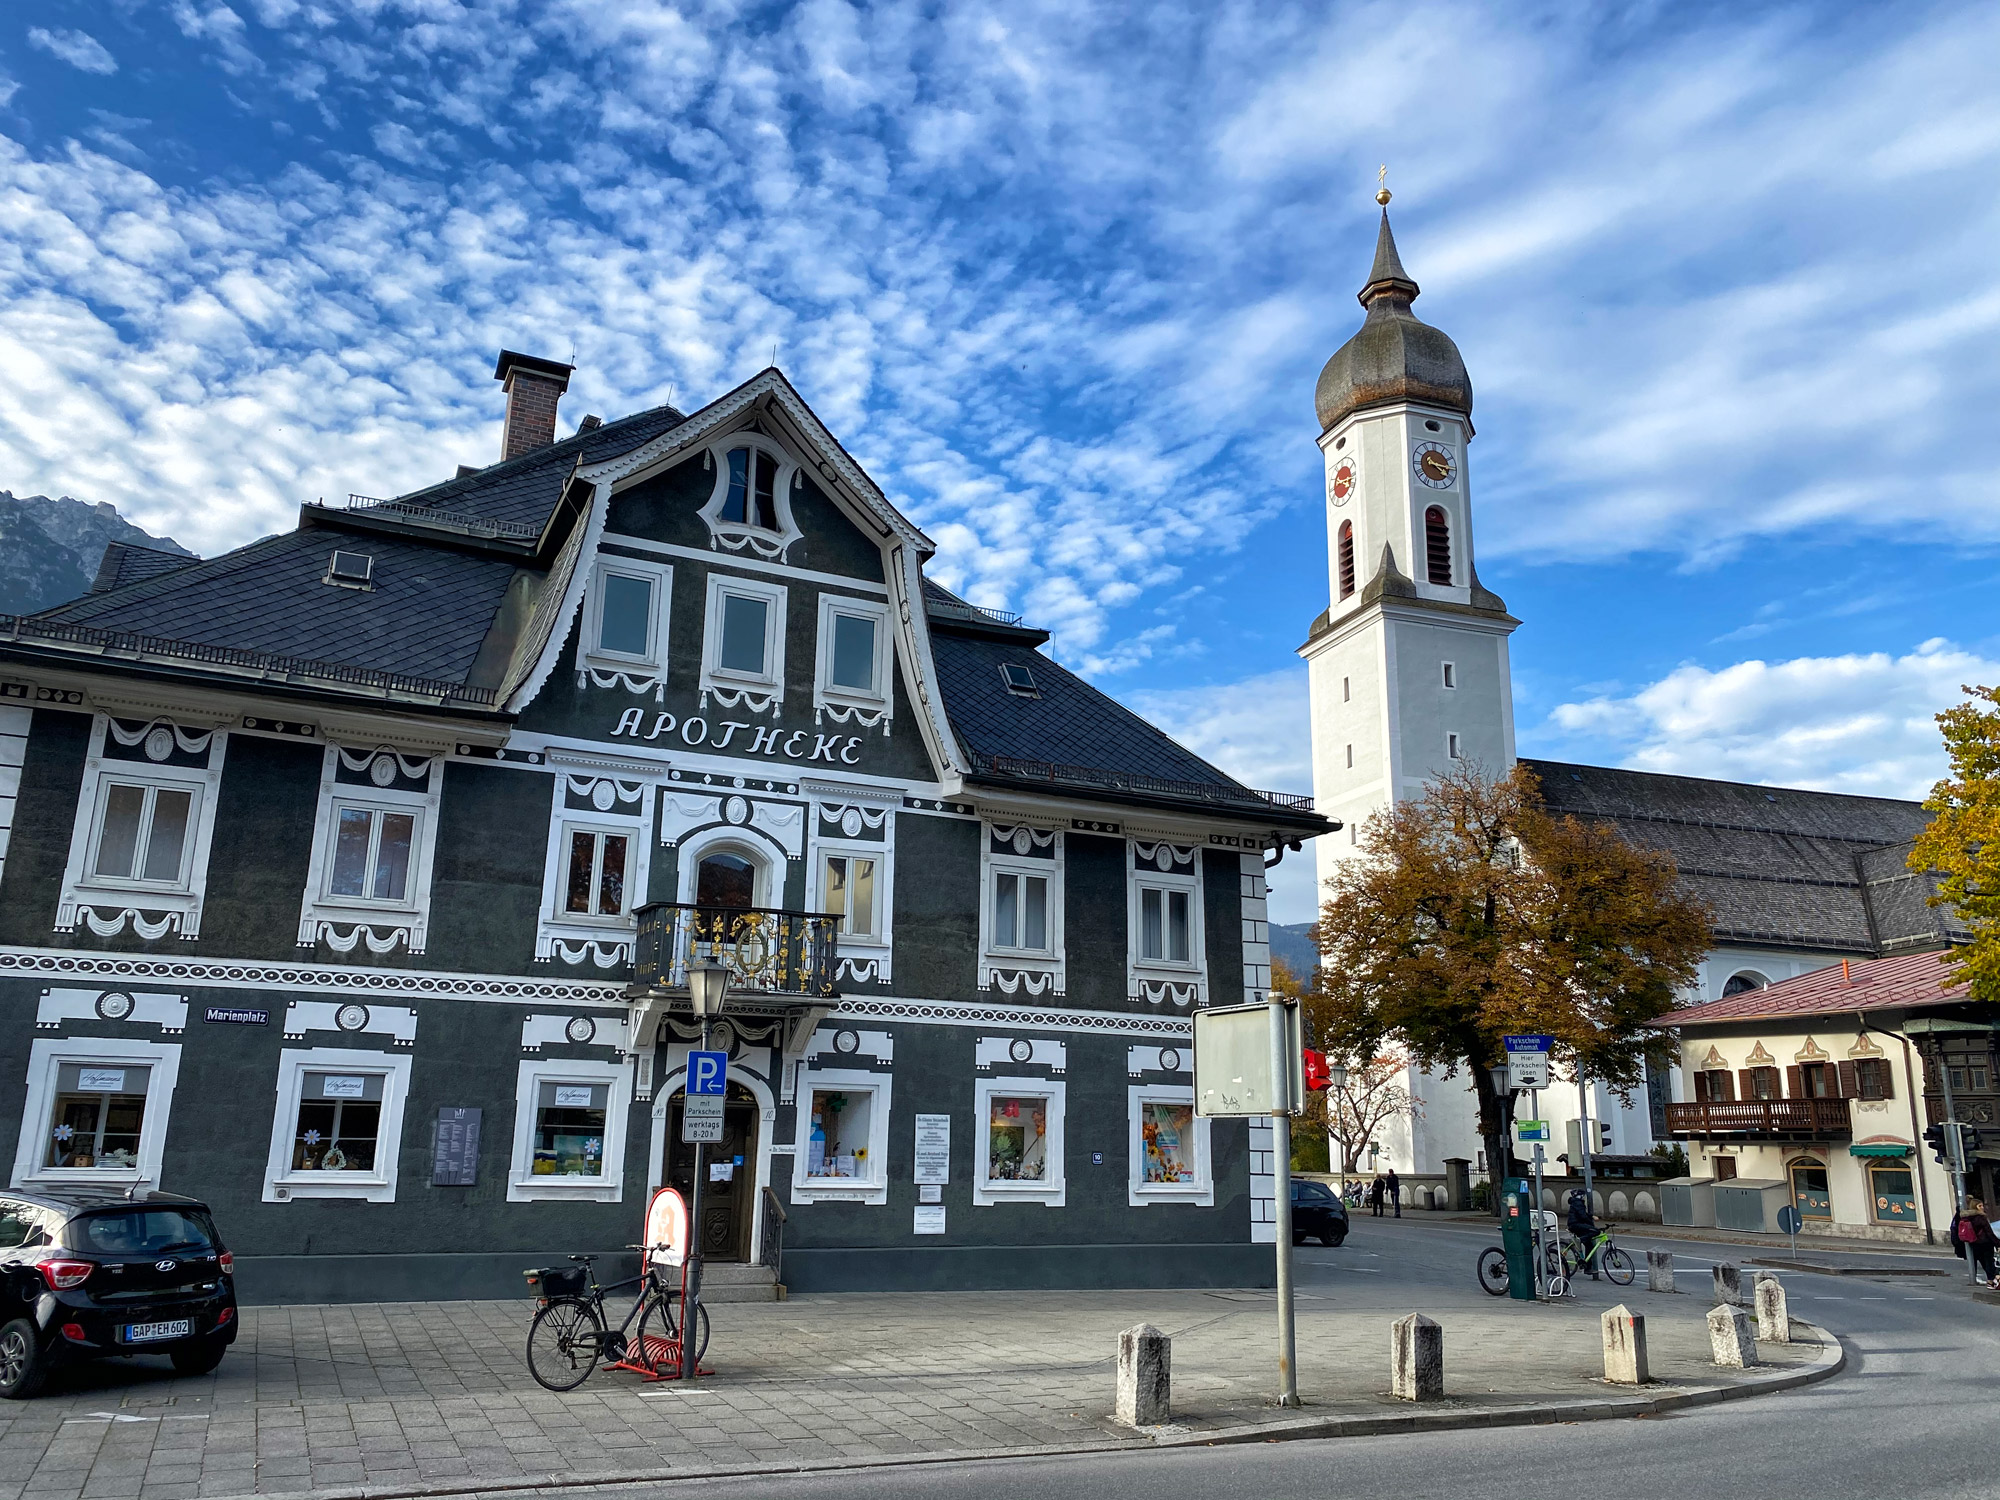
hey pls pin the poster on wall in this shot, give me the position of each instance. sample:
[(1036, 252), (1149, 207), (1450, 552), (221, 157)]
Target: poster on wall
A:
[(456, 1160), (930, 1218), (933, 1152)]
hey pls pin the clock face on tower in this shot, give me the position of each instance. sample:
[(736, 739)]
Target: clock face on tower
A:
[(1434, 465), (1340, 484)]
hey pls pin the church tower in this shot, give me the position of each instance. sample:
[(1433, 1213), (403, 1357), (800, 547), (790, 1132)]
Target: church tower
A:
[(1408, 665)]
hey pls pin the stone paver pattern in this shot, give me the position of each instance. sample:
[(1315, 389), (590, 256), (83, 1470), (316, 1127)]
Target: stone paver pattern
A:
[(409, 1397)]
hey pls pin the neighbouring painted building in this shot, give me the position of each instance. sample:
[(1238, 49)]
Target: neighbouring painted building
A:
[(1409, 673), (349, 880)]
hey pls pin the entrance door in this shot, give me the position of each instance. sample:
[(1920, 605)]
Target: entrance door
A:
[(729, 1175)]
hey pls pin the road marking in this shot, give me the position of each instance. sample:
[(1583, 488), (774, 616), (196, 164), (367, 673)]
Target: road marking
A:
[(1920, 1299), (1871, 1299), (107, 1416)]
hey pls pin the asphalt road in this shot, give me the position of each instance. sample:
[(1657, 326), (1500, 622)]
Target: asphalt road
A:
[(1911, 1418)]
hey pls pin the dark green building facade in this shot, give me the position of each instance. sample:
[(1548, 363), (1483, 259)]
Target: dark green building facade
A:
[(349, 882)]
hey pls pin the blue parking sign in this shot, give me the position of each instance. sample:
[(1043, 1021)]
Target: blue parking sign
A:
[(708, 1073)]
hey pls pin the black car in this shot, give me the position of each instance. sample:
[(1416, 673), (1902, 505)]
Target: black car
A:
[(1317, 1214), (86, 1273)]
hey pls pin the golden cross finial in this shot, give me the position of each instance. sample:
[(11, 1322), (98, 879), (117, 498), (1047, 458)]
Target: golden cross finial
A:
[(1382, 185)]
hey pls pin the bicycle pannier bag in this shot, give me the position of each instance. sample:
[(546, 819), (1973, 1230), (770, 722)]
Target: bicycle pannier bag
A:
[(558, 1281)]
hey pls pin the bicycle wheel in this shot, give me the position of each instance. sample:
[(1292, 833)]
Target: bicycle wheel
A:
[(1493, 1271), (1617, 1265), (563, 1344)]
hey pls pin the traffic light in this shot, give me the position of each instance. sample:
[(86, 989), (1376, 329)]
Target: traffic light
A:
[(1603, 1129), (1970, 1139), (1934, 1138)]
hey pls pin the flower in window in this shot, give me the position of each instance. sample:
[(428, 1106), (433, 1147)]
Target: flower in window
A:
[(65, 1133)]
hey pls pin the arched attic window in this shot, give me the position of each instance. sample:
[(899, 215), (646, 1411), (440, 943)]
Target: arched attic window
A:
[(1742, 984), (1346, 558), (1437, 545), (753, 488)]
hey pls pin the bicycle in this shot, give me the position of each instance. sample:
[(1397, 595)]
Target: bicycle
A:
[(569, 1336), (1575, 1255)]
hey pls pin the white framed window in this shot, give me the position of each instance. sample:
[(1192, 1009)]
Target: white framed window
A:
[(1450, 675), (743, 642), (749, 506), (1018, 1148), (851, 888), (625, 614), (1168, 1146), (338, 1126), (1165, 943), (96, 1111), (851, 676), (1166, 924), (569, 1130), (842, 1151), (144, 820), (1021, 910), (374, 838), (598, 861)]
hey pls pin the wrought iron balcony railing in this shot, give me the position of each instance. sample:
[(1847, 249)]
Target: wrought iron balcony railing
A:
[(778, 953), (1816, 1119)]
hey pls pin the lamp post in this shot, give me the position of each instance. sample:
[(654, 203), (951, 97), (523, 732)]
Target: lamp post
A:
[(1336, 1083), (708, 985)]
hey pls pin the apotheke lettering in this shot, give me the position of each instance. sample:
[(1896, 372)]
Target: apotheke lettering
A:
[(798, 744)]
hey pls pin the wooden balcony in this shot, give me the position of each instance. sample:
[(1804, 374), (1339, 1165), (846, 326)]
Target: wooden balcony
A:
[(1772, 1119)]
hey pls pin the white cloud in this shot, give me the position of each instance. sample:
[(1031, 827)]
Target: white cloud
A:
[(77, 48), (1863, 724)]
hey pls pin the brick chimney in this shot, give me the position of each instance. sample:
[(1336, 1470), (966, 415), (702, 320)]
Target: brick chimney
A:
[(533, 387)]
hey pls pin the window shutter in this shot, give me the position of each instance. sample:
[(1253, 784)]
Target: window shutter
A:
[(1746, 1083), (1849, 1089), (1722, 1080), (1795, 1082), (1885, 1081), (1346, 558), (1437, 545)]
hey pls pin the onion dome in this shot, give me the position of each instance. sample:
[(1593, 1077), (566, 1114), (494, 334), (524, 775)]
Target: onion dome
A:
[(1395, 356)]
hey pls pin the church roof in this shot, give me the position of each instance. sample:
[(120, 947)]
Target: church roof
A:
[(1872, 984), (1780, 866), (1395, 355)]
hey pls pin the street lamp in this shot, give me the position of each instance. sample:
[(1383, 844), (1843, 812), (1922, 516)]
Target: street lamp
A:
[(1499, 1076), (708, 987), (1336, 1077)]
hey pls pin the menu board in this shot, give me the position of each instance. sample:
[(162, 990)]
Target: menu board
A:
[(456, 1163), (933, 1148)]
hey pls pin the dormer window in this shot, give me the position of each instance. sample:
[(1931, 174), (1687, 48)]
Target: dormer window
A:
[(625, 615), (1019, 681), (752, 496)]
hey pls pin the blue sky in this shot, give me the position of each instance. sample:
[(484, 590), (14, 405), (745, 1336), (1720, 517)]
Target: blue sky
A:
[(1062, 278)]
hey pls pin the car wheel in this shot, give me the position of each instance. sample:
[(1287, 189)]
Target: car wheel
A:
[(23, 1366), (197, 1359), (1335, 1240)]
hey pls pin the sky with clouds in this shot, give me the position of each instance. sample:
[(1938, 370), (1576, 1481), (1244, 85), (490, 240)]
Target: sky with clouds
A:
[(1062, 278)]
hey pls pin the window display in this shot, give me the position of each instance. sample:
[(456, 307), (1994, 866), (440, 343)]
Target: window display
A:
[(837, 1142), (1893, 1194), (1017, 1138), (569, 1130), (340, 1117), (1166, 1131), (98, 1112)]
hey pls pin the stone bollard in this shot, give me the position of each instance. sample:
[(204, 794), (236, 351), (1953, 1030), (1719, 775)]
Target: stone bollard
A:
[(1416, 1359), (1660, 1270), (1729, 1338), (1145, 1377), (1625, 1346), (1774, 1320), (1728, 1285)]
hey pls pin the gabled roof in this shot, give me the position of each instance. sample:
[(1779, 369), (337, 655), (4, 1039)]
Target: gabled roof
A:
[(127, 562), (1779, 865), (1910, 979)]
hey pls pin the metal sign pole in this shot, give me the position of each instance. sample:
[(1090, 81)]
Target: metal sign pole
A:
[(691, 1272), (1583, 1128), (1281, 1174), (1540, 1240)]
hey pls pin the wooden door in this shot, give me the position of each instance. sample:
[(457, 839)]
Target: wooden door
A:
[(729, 1176)]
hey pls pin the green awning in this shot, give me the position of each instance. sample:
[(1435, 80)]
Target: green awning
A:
[(1879, 1148)]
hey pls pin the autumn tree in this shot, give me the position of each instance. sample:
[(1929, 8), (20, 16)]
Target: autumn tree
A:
[(1374, 1094), (1962, 842), (1472, 914)]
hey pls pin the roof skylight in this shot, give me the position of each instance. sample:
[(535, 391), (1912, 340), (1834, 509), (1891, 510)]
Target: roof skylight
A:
[(1019, 680)]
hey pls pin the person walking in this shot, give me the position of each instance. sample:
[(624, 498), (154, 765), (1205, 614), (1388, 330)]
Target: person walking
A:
[(1375, 1198), (1393, 1185), (1983, 1241)]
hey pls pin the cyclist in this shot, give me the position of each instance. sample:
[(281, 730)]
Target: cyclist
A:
[(1583, 1228)]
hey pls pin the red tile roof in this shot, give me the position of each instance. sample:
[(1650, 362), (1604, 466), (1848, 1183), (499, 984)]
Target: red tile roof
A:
[(1870, 984)]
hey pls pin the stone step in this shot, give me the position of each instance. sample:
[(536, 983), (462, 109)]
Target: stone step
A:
[(726, 1281)]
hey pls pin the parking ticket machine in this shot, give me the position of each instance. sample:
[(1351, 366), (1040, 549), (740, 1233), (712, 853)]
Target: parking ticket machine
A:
[(1517, 1221)]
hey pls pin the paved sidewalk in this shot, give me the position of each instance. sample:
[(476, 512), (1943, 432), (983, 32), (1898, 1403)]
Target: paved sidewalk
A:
[(407, 1397)]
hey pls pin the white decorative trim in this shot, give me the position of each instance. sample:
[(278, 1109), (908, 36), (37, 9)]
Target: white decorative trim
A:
[(913, 624), (741, 536), (681, 813), (1140, 1193), (746, 840), (1263, 1183), (344, 922), (523, 1186), (875, 953), (789, 571), (847, 1044), (15, 723), (174, 906), (617, 806), (129, 1007), (874, 1188), (966, 1013), (46, 1055), (257, 974), (582, 543), (281, 1183), (1052, 1190), (637, 673), (1019, 1052), (757, 693), (845, 705), (1158, 865), (351, 1018), (540, 1030), (1014, 970), (1141, 1060)]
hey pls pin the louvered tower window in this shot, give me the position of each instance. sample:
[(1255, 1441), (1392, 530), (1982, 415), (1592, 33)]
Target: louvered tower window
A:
[(1437, 545), (1346, 558)]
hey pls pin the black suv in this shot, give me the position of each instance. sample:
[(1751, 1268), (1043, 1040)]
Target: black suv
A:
[(85, 1273), (1317, 1213)]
